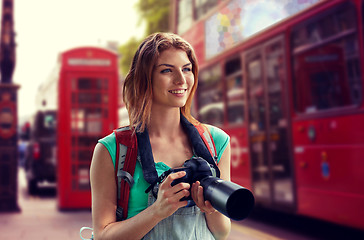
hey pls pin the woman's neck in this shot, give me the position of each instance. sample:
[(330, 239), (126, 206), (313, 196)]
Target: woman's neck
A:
[(165, 123)]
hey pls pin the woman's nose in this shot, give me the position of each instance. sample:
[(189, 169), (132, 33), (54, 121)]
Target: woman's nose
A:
[(179, 78)]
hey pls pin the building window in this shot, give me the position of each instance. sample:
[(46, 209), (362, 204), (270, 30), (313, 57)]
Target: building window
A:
[(204, 6), (185, 15)]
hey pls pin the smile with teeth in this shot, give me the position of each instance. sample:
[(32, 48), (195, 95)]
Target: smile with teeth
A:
[(177, 91)]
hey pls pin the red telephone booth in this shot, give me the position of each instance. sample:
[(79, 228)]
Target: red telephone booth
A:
[(87, 111)]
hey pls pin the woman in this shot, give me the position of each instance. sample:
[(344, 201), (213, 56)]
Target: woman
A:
[(158, 92)]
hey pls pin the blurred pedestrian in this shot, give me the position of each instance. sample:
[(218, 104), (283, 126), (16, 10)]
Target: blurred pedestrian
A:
[(22, 146), (158, 92)]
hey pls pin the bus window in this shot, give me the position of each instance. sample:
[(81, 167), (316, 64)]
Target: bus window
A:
[(50, 122), (210, 96), (235, 91), (275, 79), (326, 62), (256, 94)]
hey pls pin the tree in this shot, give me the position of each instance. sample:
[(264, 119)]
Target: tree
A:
[(127, 52), (155, 13)]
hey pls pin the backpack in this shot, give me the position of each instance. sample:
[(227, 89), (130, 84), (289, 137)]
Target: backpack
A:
[(126, 157)]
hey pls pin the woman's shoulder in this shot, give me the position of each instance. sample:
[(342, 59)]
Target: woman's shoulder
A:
[(217, 133), (221, 139), (108, 139), (110, 144)]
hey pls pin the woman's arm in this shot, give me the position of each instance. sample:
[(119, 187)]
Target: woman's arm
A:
[(103, 188), (218, 223)]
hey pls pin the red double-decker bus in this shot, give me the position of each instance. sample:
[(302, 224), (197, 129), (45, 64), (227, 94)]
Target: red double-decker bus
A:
[(83, 93), (284, 79)]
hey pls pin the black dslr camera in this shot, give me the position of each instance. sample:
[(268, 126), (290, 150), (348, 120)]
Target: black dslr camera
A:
[(232, 200)]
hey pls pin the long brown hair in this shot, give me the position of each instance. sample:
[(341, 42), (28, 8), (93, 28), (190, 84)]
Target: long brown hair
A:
[(137, 88)]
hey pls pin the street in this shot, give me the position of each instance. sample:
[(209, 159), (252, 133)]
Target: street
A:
[(40, 219)]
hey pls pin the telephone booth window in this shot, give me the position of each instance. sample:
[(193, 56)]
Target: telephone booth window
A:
[(87, 114)]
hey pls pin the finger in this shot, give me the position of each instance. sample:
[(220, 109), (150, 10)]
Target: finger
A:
[(205, 206), (174, 193), (196, 186), (181, 204), (200, 197), (173, 176), (196, 194), (175, 198), (180, 186), (200, 194), (209, 205), (201, 200), (181, 194), (209, 209)]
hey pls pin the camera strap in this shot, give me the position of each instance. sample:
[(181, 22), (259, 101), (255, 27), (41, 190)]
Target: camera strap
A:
[(132, 147), (202, 142)]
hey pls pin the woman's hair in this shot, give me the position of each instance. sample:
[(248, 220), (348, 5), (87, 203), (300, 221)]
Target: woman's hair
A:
[(137, 89)]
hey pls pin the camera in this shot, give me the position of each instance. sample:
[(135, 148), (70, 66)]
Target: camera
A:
[(230, 199)]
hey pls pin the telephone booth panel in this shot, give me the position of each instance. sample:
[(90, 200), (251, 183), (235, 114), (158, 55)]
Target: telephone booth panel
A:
[(88, 102)]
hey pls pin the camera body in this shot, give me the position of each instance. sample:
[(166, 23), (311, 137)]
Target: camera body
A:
[(196, 169), (230, 199)]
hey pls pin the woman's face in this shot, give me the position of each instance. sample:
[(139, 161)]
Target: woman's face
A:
[(172, 79)]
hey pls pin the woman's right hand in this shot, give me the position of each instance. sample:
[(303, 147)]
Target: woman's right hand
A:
[(168, 199)]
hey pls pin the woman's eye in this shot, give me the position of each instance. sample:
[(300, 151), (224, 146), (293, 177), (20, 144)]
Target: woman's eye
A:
[(166, 70), (187, 69)]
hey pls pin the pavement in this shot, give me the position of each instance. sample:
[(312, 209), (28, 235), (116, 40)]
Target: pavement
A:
[(39, 218)]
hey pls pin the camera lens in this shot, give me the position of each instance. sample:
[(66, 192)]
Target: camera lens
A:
[(229, 198), (240, 204)]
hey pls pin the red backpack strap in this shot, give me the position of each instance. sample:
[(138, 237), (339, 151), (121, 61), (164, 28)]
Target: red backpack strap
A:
[(207, 139), (126, 157)]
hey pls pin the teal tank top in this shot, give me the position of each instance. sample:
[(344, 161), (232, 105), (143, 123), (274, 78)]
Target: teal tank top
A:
[(138, 199)]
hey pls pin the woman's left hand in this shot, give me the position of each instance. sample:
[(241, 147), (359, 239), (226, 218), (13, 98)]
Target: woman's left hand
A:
[(197, 196)]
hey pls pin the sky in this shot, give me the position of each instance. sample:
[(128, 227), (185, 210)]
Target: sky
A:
[(45, 28)]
